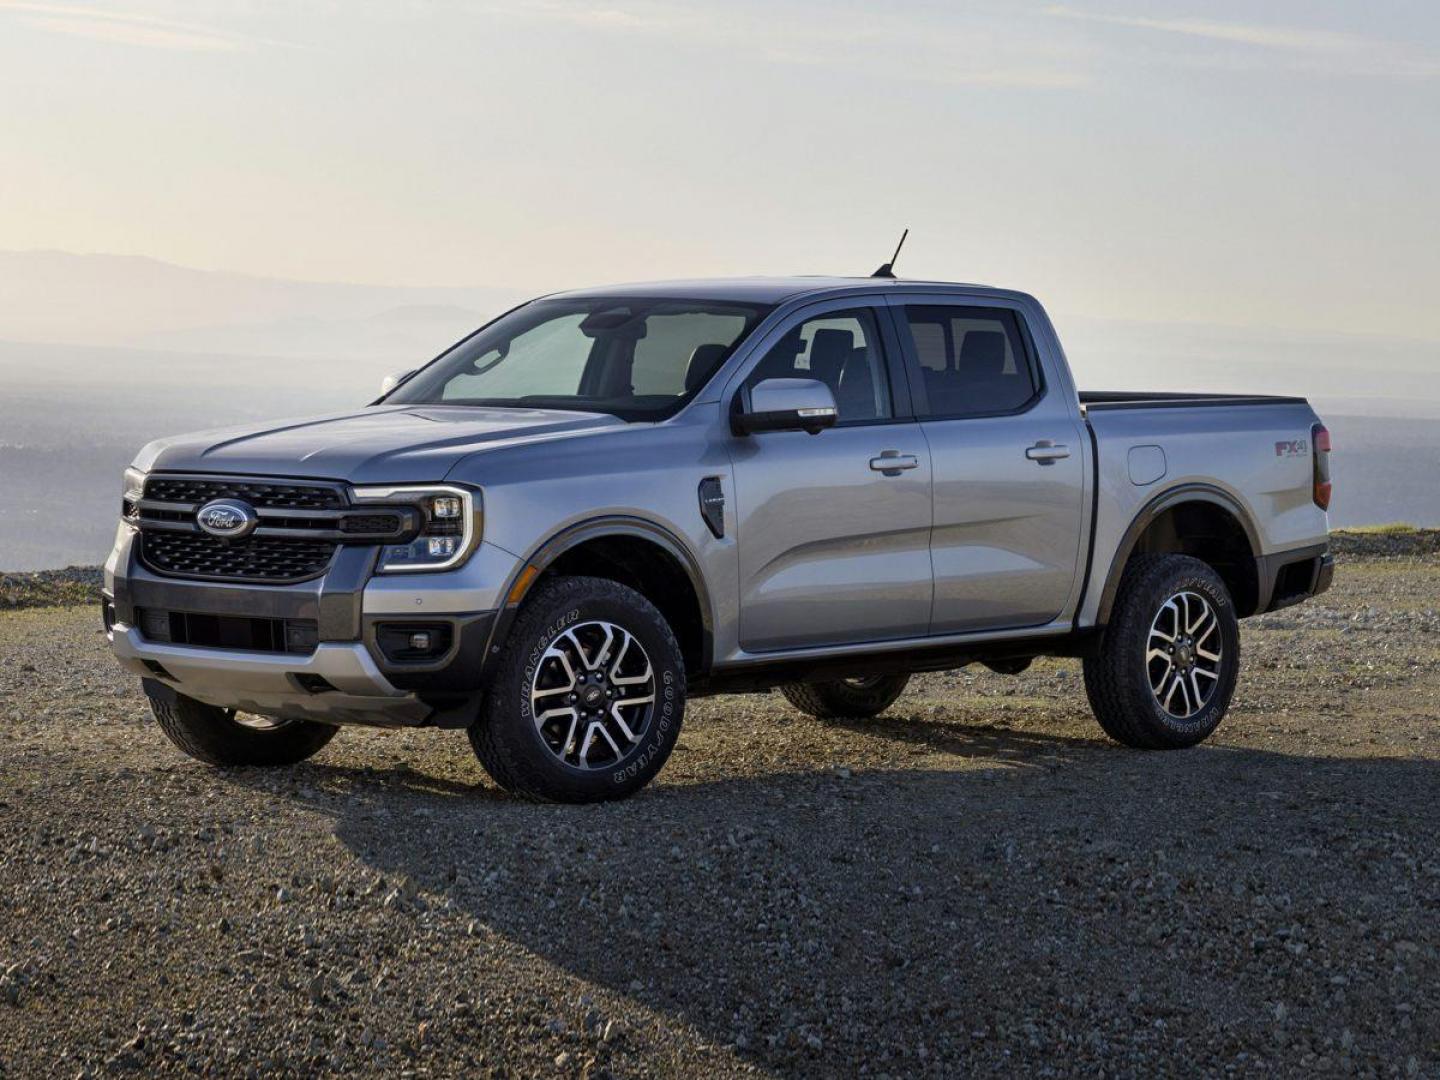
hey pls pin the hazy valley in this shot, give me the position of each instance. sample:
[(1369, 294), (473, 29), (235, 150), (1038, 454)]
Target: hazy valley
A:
[(163, 349)]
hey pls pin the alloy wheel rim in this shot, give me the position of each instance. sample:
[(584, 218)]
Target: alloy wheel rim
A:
[(592, 694), (258, 723), (1183, 654)]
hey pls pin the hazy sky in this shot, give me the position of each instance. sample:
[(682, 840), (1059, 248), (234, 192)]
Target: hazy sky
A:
[(1257, 164)]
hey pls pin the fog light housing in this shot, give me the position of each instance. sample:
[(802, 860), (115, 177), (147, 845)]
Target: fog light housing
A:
[(414, 643), (154, 624)]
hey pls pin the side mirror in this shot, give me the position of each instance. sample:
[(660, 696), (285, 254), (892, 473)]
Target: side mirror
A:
[(391, 381), (784, 405)]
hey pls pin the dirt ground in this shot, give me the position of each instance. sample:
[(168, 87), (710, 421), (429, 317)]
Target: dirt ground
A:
[(977, 882)]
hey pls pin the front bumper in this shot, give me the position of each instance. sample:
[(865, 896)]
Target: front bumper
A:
[(346, 678), (276, 684)]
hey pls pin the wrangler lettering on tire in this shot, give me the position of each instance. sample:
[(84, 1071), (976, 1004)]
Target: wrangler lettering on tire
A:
[(1171, 655), (588, 697)]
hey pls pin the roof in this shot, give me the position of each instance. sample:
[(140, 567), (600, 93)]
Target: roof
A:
[(766, 290)]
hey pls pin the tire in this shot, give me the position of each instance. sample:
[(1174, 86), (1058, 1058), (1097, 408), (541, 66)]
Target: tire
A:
[(213, 735), (1126, 682), (581, 753), (862, 696)]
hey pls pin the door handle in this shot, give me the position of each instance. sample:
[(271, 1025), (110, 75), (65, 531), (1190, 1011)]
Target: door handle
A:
[(893, 462), (1047, 452)]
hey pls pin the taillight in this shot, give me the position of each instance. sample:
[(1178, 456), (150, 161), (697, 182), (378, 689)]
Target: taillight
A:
[(1320, 444)]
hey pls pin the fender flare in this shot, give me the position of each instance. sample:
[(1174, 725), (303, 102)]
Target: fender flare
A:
[(1166, 500), (572, 536)]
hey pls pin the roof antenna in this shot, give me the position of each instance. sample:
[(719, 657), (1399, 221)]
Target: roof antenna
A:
[(888, 269)]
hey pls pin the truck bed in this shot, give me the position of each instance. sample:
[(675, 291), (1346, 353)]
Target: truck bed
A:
[(1249, 451)]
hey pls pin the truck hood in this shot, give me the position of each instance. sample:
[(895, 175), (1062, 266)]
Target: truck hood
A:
[(377, 445)]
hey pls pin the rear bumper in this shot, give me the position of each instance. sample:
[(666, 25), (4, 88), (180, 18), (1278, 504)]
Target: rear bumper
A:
[(1291, 577)]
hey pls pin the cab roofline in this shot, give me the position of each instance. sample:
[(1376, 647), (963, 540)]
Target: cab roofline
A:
[(771, 290)]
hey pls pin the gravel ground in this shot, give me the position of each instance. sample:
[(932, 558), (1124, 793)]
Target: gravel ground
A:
[(43, 588), (976, 882)]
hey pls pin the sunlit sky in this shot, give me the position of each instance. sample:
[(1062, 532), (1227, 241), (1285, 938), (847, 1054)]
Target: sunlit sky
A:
[(1254, 164)]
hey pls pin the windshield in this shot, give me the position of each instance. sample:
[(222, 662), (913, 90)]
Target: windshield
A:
[(636, 359)]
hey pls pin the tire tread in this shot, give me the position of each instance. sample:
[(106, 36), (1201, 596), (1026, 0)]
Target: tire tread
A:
[(495, 737), (1108, 679), (208, 734), (835, 700)]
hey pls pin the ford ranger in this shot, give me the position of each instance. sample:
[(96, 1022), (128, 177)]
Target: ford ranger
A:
[(605, 502)]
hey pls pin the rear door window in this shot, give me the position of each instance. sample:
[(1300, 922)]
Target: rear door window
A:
[(973, 360)]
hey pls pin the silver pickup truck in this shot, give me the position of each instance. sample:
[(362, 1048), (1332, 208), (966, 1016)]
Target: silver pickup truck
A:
[(604, 502)]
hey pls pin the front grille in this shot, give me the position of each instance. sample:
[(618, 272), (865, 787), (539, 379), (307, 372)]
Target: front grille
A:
[(256, 558), (301, 525), (295, 636), (263, 495)]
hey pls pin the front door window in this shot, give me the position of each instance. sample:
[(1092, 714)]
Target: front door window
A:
[(841, 349)]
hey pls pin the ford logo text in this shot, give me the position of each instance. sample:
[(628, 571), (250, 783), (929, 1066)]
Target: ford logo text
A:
[(228, 518)]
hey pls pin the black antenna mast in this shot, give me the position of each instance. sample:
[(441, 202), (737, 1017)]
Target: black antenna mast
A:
[(888, 269)]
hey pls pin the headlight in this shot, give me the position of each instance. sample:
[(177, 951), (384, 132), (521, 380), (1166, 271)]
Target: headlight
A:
[(449, 529), (132, 492)]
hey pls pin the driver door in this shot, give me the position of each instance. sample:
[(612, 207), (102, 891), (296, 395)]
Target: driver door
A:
[(834, 528)]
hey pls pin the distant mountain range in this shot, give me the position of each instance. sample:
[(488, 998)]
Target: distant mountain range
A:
[(56, 297), (101, 353)]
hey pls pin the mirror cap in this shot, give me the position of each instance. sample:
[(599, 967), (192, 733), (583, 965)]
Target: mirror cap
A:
[(786, 405), (394, 379)]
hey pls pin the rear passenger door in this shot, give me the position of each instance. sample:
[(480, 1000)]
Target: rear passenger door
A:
[(1007, 465)]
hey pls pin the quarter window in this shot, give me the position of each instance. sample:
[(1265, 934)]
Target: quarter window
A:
[(973, 360)]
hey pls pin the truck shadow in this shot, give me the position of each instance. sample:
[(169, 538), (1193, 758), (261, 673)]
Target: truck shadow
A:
[(1058, 889), (986, 742)]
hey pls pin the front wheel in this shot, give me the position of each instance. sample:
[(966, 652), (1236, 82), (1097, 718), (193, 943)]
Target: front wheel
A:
[(860, 696), (219, 736), (588, 695), (1167, 669)]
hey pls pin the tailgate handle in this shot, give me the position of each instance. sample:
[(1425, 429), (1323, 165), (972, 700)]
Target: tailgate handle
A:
[(893, 463), (1047, 452)]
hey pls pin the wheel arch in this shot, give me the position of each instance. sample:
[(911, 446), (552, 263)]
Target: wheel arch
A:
[(1199, 520), (636, 552)]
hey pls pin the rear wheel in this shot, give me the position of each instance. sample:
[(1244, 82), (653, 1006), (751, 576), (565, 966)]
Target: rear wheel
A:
[(1171, 656), (857, 696), (588, 695), (219, 736)]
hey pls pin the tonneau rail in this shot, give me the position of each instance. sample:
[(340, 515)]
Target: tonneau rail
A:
[(1119, 399)]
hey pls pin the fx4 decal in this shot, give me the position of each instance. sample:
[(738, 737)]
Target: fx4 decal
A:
[(1291, 448)]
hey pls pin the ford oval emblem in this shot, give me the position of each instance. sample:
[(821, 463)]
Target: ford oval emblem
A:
[(228, 518)]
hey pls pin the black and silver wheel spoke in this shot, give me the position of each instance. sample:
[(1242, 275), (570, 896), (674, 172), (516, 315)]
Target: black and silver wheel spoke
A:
[(1183, 654), (592, 694)]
